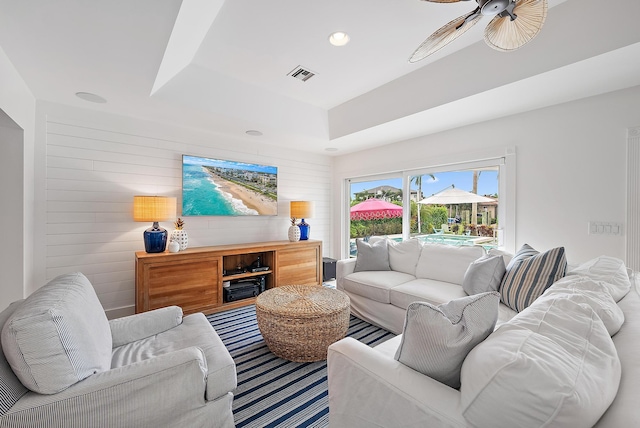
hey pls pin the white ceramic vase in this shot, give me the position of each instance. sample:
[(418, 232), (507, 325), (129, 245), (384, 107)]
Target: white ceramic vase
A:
[(181, 237), (174, 247), (294, 233)]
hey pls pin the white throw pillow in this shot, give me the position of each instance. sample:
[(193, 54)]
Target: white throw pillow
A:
[(552, 365), (530, 273), (483, 275), (583, 290), (403, 256), (436, 339), (372, 256), (58, 336), (610, 270)]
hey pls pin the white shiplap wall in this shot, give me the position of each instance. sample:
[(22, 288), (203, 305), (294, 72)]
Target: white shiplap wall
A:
[(93, 172)]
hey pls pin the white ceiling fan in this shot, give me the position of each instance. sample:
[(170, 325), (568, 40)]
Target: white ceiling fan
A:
[(514, 23)]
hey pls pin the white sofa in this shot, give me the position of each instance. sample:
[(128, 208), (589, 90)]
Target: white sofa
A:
[(553, 364), (431, 272)]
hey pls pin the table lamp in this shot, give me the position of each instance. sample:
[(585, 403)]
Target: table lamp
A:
[(302, 210), (154, 209)]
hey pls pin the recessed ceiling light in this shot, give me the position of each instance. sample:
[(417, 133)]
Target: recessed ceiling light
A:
[(254, 133), (88, 96), (331, 149), (339, 38)]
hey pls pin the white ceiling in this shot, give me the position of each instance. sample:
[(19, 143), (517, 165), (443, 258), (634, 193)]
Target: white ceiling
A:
[(222, 65)]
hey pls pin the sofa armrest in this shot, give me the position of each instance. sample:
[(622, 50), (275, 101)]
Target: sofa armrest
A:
[(344, 267), (146, 324), (368, 388), (151, 392)]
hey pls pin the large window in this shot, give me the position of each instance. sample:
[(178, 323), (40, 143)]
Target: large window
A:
[(375, 208), (469, 203), (457, 207)]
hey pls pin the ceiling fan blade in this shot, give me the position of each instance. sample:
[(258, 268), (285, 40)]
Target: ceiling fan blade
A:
[(503, 34), (444, 35)]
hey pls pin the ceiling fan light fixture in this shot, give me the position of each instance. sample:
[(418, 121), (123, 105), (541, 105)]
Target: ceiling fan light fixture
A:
[(493, 7), (339, 38)]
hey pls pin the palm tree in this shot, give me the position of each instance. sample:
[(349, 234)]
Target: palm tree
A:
[(474, 206), (418, 181)]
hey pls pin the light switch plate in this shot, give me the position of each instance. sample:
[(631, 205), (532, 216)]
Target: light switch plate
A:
[(604, 228)]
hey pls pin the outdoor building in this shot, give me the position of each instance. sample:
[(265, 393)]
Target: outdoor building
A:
[(385, 193)]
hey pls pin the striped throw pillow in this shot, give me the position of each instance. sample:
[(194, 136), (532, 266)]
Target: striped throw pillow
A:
[(437, 339), (529, 274)]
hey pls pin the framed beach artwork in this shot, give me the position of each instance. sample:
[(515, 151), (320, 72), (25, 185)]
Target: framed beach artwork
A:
[(216, 187)]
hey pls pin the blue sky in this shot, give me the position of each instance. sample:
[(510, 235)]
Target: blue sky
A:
[(487, 183), (195, 160)]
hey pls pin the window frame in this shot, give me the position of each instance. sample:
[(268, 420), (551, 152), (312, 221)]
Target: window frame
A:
[(505, 161)]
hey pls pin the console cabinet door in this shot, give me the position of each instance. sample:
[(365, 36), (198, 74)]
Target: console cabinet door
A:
[(193, 284), (298, 266)]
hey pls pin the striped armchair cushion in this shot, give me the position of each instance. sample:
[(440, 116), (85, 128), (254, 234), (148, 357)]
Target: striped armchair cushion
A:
[(529, 274), (58, 336), (11, 390)]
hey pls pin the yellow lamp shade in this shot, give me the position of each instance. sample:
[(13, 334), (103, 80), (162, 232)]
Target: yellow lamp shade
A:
[(153, 208), (301, 209)]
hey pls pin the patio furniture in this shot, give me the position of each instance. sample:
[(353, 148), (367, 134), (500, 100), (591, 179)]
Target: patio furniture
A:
[(299, 322), (446, 230)]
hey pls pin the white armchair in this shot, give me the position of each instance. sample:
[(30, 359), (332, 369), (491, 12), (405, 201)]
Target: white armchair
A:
[(162, 369)]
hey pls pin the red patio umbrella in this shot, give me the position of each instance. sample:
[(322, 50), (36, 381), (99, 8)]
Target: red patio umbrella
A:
[(375, 209)]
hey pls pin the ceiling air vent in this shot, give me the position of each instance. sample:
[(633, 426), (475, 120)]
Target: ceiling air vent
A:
[(301, 73)]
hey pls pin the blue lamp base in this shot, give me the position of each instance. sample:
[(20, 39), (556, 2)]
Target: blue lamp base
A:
[(155, 239), (305, 228)]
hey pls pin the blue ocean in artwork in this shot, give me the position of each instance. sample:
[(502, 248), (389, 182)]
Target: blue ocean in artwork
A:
[(214, 187), (200, 196)]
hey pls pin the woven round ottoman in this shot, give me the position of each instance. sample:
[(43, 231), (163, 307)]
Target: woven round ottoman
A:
[(299, 322)]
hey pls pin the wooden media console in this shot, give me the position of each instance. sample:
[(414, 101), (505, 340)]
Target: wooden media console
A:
[(193, 279)]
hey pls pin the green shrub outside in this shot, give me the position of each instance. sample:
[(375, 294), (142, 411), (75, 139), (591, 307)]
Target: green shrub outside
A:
[(431, 217)]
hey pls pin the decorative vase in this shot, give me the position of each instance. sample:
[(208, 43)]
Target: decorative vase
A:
[(305, 228), (181, 237), (174, 247), (294, 233)]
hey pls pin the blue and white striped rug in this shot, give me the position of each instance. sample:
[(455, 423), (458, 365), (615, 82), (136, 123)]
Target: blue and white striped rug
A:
[(273, 392)]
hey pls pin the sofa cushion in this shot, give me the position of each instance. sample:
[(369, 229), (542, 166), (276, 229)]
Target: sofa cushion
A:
[(530, 273), (372, 256), (623, 412), (403, 256), (446, 262), (436, 339), (583, 290), (11, 390), (506, 256), (58, 336), (424, 290), (374, 285), (194, 331), (553, 364), (608, 269), (483, 275)]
